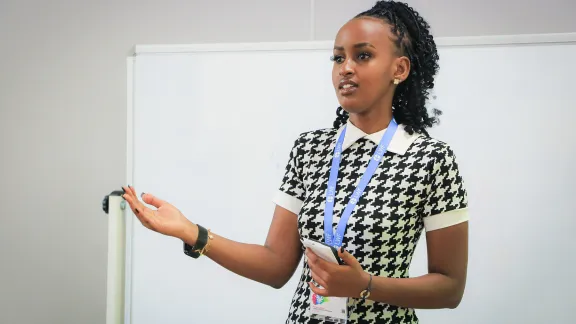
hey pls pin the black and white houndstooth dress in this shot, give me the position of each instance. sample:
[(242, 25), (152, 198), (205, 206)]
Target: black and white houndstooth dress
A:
[(416, 187)]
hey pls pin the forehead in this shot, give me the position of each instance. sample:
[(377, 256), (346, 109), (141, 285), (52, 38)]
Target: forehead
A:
[(364, 30)]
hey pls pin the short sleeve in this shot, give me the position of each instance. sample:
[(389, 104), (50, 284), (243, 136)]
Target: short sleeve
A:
[(446, 203), (291, 193)]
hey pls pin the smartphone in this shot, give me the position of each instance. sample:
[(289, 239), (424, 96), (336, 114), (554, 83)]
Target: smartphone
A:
[(323, 250)]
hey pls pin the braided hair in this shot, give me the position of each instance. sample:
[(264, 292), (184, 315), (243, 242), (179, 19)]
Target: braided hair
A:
[(413, 40)]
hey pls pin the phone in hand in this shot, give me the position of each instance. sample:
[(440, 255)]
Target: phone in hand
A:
[(323, 250)]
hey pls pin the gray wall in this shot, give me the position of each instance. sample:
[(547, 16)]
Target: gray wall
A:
[(62, 118)]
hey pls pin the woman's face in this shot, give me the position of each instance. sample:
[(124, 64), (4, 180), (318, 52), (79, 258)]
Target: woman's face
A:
[(365, 65)]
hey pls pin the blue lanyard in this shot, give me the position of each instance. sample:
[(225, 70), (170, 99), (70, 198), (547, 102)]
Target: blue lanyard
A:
[(329, 237)]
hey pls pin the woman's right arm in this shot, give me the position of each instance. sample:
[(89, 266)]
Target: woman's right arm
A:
[(272, 264)]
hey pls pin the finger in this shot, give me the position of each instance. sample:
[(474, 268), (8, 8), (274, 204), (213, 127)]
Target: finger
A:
[(143, 208), (129, 192), (139, 209), (126, 190), (130, 200), (318, 272), (312, 258), (138, 205), (318, 279), (133, 191), (152, 200), (318, 291), (318, 262), (145, 215), (133, 203), (348, 258), (310, 255)]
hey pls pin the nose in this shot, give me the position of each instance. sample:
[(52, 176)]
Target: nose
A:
[(347, 68)]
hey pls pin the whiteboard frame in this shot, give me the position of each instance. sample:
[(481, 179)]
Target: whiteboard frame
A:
[(322, 45), (441, 42), (129, 178)]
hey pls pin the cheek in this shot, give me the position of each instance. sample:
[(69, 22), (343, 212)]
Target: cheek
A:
[(335, 77), (375, 80)]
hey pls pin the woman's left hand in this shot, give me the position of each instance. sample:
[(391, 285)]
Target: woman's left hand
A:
[(347, 280)]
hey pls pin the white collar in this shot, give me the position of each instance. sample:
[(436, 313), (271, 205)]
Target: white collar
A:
[(399, 143)]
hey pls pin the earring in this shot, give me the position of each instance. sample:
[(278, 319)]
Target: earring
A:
[(396, 81)]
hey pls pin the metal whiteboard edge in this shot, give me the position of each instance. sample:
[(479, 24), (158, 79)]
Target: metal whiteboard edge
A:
[(129, 178), (506, 39), (233, 47), (328, 44)]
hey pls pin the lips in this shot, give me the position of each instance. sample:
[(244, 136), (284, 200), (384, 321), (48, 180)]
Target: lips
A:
[(347, 87)]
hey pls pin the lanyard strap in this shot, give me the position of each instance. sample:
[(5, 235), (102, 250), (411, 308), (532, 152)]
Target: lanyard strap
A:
[(336, 239)]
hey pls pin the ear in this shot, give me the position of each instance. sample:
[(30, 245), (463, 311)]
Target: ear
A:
[(401, 68)]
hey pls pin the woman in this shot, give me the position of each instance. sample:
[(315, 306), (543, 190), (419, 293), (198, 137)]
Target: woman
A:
[(385, 61)]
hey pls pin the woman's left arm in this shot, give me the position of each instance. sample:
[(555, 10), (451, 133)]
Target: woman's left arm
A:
[(442, 287), (444, 284)]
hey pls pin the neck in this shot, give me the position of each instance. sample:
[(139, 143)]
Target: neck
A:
[(372, 121)]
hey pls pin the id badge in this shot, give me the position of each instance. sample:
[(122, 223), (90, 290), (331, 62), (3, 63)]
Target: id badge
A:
[(332, 309)]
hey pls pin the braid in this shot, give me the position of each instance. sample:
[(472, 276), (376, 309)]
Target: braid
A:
[(413, 40), (341, 117)]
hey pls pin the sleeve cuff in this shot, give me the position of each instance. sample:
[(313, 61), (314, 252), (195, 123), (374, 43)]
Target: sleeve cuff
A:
[(446, 219), (288, 202)]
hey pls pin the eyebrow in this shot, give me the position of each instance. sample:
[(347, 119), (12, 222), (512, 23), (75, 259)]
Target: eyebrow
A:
[(359, 45)]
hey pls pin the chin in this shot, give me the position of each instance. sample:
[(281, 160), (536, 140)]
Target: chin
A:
[(352, 106)]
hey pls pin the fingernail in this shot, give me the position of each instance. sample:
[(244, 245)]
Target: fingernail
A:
[(142, 195), (123, 189), (342, 249)]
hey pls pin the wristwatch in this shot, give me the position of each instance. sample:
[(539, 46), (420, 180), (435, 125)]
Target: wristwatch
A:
[(195, 251), (366, 292)]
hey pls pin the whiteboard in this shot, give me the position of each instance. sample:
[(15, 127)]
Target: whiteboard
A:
[(211, 126)]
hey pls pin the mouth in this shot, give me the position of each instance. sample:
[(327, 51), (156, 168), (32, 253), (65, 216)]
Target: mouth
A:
[(347, 87)]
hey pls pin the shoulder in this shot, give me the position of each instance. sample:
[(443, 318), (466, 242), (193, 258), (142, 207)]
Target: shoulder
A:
[(432, 149), (317, 135), (317, 139)]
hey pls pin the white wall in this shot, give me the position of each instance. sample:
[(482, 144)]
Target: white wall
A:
[(62, 117)]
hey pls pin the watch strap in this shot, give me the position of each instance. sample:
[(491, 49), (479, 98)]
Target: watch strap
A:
[(194, 251)]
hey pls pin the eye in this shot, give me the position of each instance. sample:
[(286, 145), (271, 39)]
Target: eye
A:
[(364, 56), (336, 58)]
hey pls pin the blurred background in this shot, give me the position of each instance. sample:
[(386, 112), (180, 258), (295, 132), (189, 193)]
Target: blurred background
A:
[(63, 117)]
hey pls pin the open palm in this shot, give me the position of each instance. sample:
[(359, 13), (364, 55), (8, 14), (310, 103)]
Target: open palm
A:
[(165, 219)]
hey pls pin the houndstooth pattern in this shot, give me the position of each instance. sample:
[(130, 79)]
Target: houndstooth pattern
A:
[(386, 225)]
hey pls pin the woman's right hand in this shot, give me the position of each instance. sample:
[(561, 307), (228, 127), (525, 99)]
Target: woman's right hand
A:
[(166, 219)]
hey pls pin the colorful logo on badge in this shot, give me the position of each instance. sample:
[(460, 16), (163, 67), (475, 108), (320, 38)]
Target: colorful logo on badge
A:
[(319, 300)]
